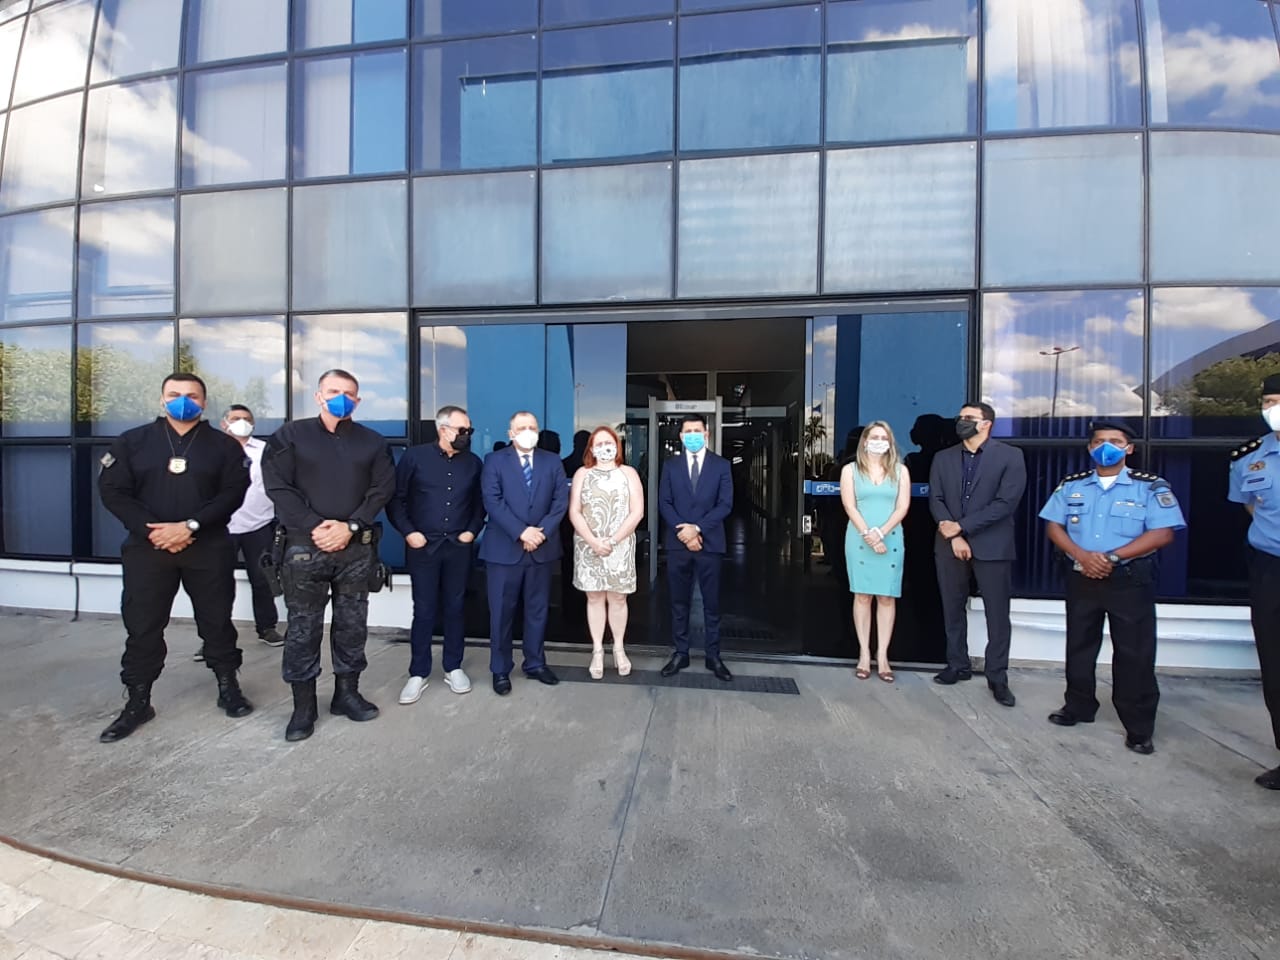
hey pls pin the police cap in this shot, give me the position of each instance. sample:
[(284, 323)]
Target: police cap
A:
[(1124, 428), (1271, 385)]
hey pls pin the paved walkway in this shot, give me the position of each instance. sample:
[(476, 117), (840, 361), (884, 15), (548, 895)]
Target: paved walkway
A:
[(855, 819)]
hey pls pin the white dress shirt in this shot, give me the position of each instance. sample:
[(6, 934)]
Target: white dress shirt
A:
[(257, 510), (696, 458)]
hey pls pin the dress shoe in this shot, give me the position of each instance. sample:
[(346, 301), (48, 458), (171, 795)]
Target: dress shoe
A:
[(722, 673), (303, 722), (1144, 747), (457, 681), (543, 675), (230, 698), (1004, 696), (198, 656), (677, 663), (1270, 779), (271, 637), (501, 684), (412, 691), (1065, 718), (951, 675), (137, 711), (347, 701)]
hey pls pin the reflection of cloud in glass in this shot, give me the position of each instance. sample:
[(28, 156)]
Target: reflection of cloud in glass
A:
[(256, 339), (1232, 70), (55, 50), (129, 137), (371, 346), (40, 154)]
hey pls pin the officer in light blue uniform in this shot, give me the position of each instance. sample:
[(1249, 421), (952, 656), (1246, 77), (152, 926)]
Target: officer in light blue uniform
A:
[(1109, 522), (1255, 482)]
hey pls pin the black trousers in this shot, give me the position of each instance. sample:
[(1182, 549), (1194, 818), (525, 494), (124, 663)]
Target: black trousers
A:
[(151, 580), (438, 573), (1264, 602), (309, 575), (683, 567), (1127, 599), (995, 583), (253, 546)]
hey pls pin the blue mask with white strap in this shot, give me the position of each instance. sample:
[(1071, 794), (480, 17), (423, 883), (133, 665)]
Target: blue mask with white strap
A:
[(183, 409), (1107, 454), (693, 442), (340, 406)]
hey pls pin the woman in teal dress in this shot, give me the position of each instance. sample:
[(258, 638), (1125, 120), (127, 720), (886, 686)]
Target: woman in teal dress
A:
[(875, 489)]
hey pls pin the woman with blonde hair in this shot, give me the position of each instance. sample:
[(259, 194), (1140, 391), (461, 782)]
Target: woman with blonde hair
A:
[(606, 504), (875, 489)]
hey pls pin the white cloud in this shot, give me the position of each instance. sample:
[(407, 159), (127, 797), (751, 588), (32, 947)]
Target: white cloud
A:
[(1203, 63), (1229, 309)]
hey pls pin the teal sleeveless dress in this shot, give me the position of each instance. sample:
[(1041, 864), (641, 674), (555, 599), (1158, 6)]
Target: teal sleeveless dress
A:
[(878, 574)]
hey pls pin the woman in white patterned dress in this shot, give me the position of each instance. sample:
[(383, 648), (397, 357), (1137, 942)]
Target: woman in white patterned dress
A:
[(606, 504)]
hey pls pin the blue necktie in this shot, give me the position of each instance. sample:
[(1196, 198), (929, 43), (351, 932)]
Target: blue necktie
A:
[(528, 471)]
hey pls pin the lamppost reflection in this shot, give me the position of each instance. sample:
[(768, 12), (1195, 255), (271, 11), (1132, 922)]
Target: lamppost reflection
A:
[(1056, 353)]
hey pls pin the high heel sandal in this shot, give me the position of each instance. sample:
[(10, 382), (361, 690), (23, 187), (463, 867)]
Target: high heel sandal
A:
[(597, 664), (620, 660)]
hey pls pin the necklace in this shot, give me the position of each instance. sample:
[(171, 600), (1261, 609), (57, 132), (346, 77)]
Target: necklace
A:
[(178, 464)]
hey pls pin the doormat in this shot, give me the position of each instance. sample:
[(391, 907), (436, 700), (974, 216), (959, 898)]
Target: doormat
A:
[(693, 677)]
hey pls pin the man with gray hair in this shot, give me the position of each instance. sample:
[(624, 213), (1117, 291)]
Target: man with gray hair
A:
[(437, 506)]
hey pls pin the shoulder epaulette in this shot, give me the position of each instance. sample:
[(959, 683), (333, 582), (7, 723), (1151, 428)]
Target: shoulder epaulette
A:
[(1073, 476), (1147, 477), (1247, 449)]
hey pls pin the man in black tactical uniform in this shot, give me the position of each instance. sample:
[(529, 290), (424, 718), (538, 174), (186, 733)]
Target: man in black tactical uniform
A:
[(174, 483), (328, 478)]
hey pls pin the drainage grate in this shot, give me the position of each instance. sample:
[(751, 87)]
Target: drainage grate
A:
[(692, 678)]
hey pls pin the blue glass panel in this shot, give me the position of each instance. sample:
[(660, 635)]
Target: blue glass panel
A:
[(119, 369), (130, 133), (126, 258), (556, 12), (222, 29), (239, 359), (332, 23), (36, 497), (477, 103), (234, 126), (1211, 348), (901, 218), (897, 70), (442, 18), (55, 50), (350, 115), (378, 20), (750, 79), (586, 379), (749, 225), (373, 346), (688, 5), (36, 259), (1087, 228), (606, 233), (350, 245), (1215, 64), (1052, 362), (35, 381), (1062, 64), (1214, 207), (607, 91), (136, 36), (473, 239), (40, 153)]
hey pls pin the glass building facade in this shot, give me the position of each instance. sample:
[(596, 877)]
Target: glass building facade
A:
[(1067, 207)]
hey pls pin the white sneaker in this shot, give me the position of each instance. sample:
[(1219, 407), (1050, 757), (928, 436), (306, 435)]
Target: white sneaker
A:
[(412, 691), (457, 681)]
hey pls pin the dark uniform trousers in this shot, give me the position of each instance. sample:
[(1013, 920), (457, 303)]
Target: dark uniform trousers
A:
[(1128, 600), (206, 570), (438, 573), (1264, 602), (683, 568), (253, 546), (995, 584), (308, 576)]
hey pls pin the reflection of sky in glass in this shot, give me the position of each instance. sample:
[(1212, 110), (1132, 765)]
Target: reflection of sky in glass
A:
[(126, 257), (586, 377), (136, 36), (55, 50), (373, 347), (130, 133), (40, 153), (1212, 63), (36, 252), (1099, 368), (241, 360)]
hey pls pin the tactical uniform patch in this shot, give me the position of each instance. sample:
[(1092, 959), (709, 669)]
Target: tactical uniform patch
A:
[(107, 460), (1161, 490), (1247, 449)]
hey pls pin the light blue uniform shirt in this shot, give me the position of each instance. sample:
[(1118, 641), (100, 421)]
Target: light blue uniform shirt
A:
[(1105, 520), (1255, 479)]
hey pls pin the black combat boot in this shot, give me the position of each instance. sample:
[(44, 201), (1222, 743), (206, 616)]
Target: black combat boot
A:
[(137, 711), (347, 700), (303, 722), (230, 697)]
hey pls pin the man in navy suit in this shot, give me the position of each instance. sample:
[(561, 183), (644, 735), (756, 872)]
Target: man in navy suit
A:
[(695, 496), (526, 496)]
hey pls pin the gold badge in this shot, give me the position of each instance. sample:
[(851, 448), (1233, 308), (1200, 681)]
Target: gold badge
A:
[(1257, 465)]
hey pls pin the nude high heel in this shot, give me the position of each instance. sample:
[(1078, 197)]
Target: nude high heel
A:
[(596, 669), (620, 660)]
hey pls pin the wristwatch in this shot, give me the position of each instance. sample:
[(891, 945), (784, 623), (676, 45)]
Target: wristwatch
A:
[(353, 526), (193, 525), (1114, 559)]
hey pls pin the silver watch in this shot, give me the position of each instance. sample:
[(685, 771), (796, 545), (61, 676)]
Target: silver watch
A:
[(1114, 559), (193, 525)]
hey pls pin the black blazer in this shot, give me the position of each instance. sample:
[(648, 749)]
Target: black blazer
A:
[(988, 522)]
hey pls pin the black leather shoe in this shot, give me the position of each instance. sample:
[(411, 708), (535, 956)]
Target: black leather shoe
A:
[(303, 722), (1144, 747), (677, 663), (137, 711), (1270, 779), (951, 675), (501, 684), (722, 673), (347, 701), (230, 698), (543, 675), (1004, 696), (1065, 718)]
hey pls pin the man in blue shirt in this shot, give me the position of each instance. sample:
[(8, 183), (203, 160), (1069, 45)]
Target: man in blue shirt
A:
[(437, 507), (1109, 522), (1255, 472)]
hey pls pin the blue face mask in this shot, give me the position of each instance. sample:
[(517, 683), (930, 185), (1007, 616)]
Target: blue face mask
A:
[(183, 408), (1107, 454), (693, 442), (340, 406)]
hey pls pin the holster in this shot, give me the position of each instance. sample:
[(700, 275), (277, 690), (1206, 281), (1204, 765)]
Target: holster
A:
[(379, 572), (273, 561)]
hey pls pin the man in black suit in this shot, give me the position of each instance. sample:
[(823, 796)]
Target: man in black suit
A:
[(974, 489)]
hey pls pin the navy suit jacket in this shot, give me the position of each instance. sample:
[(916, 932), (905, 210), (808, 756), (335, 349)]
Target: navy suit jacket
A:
[(988, 521), (707, 507), (512, 506)]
